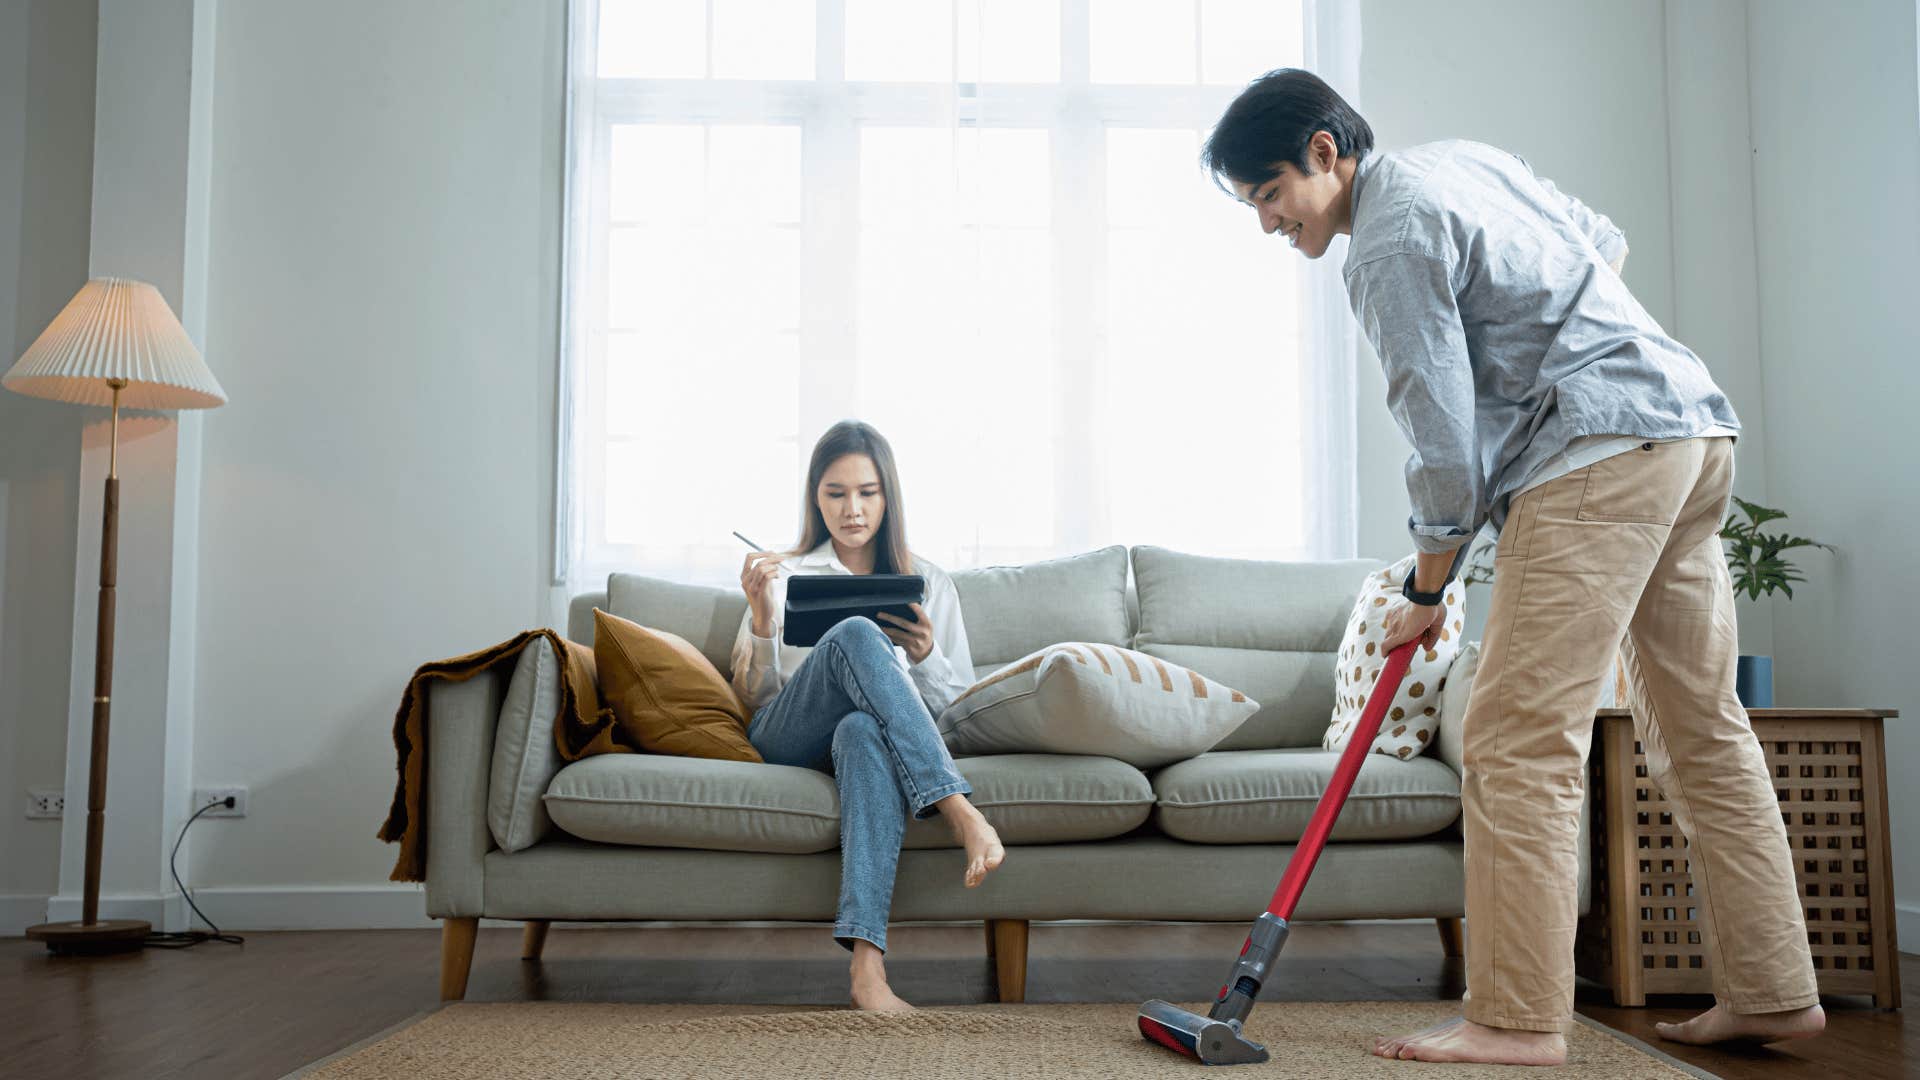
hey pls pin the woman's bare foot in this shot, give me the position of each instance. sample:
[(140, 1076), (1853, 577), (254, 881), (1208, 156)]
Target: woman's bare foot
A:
[(1718, 1025), (1464, 1040), (870, 990), (970, 828)]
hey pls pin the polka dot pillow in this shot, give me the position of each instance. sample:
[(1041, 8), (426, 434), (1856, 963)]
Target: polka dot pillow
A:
[(1414, 716)]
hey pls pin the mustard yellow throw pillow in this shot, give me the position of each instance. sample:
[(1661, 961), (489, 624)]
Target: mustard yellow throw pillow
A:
[(665, 695)]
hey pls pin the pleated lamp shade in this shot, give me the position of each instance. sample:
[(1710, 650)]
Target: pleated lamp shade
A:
[(117, 328)]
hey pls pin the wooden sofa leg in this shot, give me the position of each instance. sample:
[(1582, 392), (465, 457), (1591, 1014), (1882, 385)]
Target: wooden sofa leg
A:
[(1008, 948), (456, 955), (534, 940), (1450, 937)]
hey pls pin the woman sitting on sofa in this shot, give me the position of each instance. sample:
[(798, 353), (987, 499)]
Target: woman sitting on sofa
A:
[(861, 703)]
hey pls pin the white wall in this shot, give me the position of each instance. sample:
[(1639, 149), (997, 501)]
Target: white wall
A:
[(1836, 185), (1716, 296), (1764, 160), (383, 310), (1565, 84), (46, 166), (1579, 90)]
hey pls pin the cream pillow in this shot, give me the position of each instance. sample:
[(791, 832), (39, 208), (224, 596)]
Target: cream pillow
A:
[(1450, 743), (1084, 698), (1415, 713), (524, 758)]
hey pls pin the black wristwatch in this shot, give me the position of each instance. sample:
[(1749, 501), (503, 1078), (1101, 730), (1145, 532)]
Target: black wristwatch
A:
[(1424, 599), (1434, 599)]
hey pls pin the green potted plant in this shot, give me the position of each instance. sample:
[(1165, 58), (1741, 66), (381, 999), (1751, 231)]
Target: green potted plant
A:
[(1754, 560)]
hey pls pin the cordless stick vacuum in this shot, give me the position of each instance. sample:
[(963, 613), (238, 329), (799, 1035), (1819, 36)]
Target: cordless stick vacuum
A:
[(1216, 1039)]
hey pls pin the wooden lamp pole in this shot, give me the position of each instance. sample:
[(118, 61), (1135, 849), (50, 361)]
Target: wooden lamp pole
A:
[(119, 335), (93, 934)]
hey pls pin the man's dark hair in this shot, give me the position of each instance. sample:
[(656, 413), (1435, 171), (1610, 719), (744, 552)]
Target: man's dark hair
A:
[(1273, 120)]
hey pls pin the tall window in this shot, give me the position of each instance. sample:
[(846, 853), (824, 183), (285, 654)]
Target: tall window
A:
[(979, 225)]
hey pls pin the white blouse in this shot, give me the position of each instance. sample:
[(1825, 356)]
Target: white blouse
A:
[(762, 665)]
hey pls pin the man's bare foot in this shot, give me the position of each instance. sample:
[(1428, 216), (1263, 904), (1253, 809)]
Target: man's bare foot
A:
[(1464, 1040), (970, 828), (870, 990), (1718, 1025)]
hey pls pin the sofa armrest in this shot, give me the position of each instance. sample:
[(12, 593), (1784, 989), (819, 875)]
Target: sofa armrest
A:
[(460, 722)]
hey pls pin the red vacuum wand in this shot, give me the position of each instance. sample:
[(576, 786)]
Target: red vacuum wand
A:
[(1216, 1039), (1294, 881)]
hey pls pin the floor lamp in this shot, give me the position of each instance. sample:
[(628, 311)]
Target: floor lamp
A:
[(115, 343)]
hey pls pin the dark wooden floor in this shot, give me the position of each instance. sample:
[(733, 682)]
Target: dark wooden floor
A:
[(282, 1000)]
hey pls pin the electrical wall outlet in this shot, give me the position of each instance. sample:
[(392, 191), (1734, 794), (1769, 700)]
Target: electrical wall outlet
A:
[(46, 803), (214, 796)]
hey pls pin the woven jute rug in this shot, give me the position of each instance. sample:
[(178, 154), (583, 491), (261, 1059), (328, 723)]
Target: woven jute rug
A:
[(569, 1041)]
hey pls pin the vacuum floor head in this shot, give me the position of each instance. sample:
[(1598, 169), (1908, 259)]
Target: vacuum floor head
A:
[(1206, 1040)]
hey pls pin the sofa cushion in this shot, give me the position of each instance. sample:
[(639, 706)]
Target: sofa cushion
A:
[(1012, 610), (524, 757), (1089, 698), (1267, 797), (666, 696), (1267, 629), (653, 800), (662, 801), (1047, 799)]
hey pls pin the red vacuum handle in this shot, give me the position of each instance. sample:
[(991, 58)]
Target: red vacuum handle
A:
[(1307, 852)]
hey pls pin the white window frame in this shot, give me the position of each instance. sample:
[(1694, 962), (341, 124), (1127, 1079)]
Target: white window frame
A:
[(830, 112)]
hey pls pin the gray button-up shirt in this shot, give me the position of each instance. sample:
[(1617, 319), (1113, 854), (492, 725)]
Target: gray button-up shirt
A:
[(1504, 333)]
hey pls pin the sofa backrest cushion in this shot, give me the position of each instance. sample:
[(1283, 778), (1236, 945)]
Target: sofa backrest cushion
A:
[(1268, 629), (580, 616), (1011, 611), (707, 616)]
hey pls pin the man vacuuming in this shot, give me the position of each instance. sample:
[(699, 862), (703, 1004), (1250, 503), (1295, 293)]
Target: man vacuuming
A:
[(1541, 399)]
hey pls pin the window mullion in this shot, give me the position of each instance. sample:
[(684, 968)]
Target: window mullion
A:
[(593, 347), (829, 253), (1076, 43), (1082, 509), (829, 179)]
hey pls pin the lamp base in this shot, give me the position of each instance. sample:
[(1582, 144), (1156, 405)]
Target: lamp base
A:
[(87, 939)]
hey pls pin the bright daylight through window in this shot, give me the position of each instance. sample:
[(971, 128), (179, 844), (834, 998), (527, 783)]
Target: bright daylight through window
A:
[(979, 225)]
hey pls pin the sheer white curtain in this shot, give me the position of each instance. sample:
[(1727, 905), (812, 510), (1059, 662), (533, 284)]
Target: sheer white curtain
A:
[(978, 225)]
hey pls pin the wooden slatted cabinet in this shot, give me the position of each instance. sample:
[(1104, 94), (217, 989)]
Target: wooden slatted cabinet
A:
[(1829, 773)]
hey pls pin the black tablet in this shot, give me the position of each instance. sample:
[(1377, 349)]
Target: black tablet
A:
[(816, 602)]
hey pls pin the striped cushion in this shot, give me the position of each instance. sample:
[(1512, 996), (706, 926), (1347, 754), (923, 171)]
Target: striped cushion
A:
[(1082, 697)]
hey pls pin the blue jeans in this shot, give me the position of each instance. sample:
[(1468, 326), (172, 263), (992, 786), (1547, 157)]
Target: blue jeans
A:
[(850, 710)]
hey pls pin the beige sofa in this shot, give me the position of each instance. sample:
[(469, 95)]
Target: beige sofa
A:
[(645, 837)]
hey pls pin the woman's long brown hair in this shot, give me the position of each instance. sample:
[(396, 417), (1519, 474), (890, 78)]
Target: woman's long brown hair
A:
[(890, 554)]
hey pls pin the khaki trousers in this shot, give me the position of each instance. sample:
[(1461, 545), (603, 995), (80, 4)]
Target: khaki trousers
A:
[(1626, 553)]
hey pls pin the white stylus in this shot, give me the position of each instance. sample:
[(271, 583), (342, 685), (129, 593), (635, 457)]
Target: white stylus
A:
[(781, 566)]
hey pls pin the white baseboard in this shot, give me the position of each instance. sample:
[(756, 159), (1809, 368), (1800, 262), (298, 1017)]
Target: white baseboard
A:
[(304, 907), (396, 906), (166, 913), (19, 911)]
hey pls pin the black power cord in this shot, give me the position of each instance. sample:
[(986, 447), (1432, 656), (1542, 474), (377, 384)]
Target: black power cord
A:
[(188, 939)]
